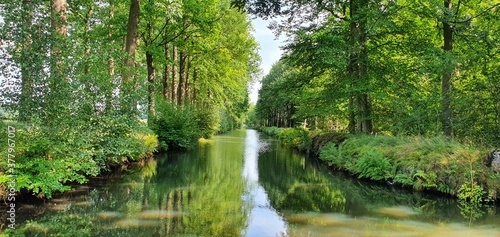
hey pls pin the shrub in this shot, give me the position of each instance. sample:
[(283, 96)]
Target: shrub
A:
[(296, 138), (270, 131), (373, 164), (176, 127), (47, 158), (207, 121), (321, 139)]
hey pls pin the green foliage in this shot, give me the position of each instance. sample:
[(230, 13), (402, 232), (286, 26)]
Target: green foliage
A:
[(176, 127), (331, 154), (48, 158), (424, 180), (320, 139), (471, 192), (270, 131), (71, 89), (336, 80), (207, 121), (296, 138), (276, 97), (422, 163), (252, 120), (372, 164), (3, 134)]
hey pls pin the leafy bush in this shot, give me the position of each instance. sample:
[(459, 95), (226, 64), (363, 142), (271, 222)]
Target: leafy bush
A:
[(47, 158), (332, 155), (321, 139), (3, 135), (270, 131), (176, 127), (296, 138), (471, 192)]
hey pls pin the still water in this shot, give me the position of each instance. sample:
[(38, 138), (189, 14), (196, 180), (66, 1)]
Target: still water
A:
[(242, 184)]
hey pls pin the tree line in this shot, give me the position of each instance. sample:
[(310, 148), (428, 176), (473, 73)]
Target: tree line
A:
[(92, 85), (69, 57), (397, 67)]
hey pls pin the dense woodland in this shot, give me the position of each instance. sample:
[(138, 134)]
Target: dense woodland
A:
[(81, 77), (385, 67)]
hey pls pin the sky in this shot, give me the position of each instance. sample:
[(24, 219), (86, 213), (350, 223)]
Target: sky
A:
[(269, 51)]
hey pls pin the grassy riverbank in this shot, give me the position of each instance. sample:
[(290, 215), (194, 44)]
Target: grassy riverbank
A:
[(46, 159), (435, 164)]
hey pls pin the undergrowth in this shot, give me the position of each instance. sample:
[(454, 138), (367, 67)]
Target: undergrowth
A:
[(436, 164), (47, 159)]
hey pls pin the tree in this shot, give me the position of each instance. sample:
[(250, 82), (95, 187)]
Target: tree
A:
[(131, 43), (401, 67)]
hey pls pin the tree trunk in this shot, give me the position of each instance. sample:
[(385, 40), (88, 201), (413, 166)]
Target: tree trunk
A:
[(195, 91), (59, 16), (27, 79), (352, 116), (151, 71), (359, 103), (151, 81), (187, 90), (182, 77), (175, 76), (59, 26), (131, 41), (87, 39), (446, 113), (58, 82), (88, 84), (167, 73), (111, 61)]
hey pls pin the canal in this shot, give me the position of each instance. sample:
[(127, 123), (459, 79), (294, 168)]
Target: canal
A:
[(245, 184)]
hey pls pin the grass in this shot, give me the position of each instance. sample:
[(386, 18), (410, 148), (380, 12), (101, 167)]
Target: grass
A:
[(436, 164)]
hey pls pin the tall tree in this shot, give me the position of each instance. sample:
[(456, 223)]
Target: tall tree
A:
[(448, 69), (129, 79), (27, 74), (58, 82), (111, 60), (149, 40), (360, 105)]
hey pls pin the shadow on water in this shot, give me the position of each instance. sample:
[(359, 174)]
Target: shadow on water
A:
[(242, 184)]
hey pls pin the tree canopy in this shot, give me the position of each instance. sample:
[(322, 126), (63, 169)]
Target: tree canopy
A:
[(397, 67)]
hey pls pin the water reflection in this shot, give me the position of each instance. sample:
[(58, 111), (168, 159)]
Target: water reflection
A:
[(263, 219), (235, 187)]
